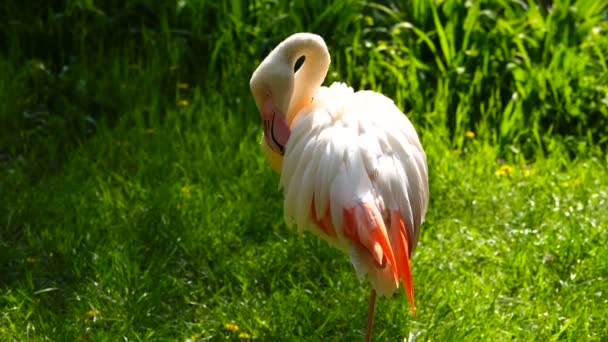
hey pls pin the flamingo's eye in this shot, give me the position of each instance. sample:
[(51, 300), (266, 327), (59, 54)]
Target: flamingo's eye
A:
[(299, 63)]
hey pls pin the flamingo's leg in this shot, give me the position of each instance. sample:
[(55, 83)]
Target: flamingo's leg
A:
[(370, 316)]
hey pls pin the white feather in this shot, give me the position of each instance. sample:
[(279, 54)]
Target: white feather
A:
[(293, 189), (328, 166)]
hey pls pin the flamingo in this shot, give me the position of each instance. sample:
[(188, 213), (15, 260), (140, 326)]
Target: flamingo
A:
[(352, 168)]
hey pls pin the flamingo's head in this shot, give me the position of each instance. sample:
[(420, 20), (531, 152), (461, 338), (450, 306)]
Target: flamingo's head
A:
[(272, 86), (280, 91)]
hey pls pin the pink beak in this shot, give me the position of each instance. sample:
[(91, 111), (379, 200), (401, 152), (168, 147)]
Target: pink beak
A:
[(276, 130)]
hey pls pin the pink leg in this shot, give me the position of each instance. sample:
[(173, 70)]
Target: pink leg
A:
[(370, 316)]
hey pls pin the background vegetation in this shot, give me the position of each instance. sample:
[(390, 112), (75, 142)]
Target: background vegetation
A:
[(135, 203)]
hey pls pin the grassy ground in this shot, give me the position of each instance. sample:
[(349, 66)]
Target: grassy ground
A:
[(135, 203)]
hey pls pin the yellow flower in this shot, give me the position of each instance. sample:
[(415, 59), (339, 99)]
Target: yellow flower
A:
[(183, 86), (469, 134), (195, 336), (504, 170), (31, 260), (183, 103), (92, 314), (231, 327), (244, 336), (574, 183), (185, 189)]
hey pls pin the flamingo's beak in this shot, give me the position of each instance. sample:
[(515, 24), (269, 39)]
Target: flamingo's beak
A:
[(276, 130)]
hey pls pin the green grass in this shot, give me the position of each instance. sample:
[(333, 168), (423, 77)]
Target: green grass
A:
[(136, 207)]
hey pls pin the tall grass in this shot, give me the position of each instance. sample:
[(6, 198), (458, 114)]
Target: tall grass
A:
[(135, 203), (513, 71)]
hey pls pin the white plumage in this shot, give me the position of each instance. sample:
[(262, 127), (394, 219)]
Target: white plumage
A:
[(348, 148), (352, 167)]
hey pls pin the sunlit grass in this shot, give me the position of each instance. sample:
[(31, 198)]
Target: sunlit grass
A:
[(135, 203), (168, 234)]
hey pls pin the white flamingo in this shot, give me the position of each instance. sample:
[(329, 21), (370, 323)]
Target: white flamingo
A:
[(352, 167)]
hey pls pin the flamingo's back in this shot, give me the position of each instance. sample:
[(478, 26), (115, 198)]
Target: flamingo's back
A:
[(355, 174)]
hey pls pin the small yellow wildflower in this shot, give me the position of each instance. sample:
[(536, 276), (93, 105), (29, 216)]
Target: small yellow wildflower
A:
[(574, 183), (31, 260), (183, 103), (469, 135), (92, 314), (183, 86), (244, 336), (195, 336), (186, 190), (232, 327), (504, 170)]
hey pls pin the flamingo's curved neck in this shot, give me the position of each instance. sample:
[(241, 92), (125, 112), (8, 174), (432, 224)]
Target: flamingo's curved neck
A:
[(311, 74)]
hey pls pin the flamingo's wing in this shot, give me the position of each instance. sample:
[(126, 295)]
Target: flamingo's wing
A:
[(395, 157), (355, 174)]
